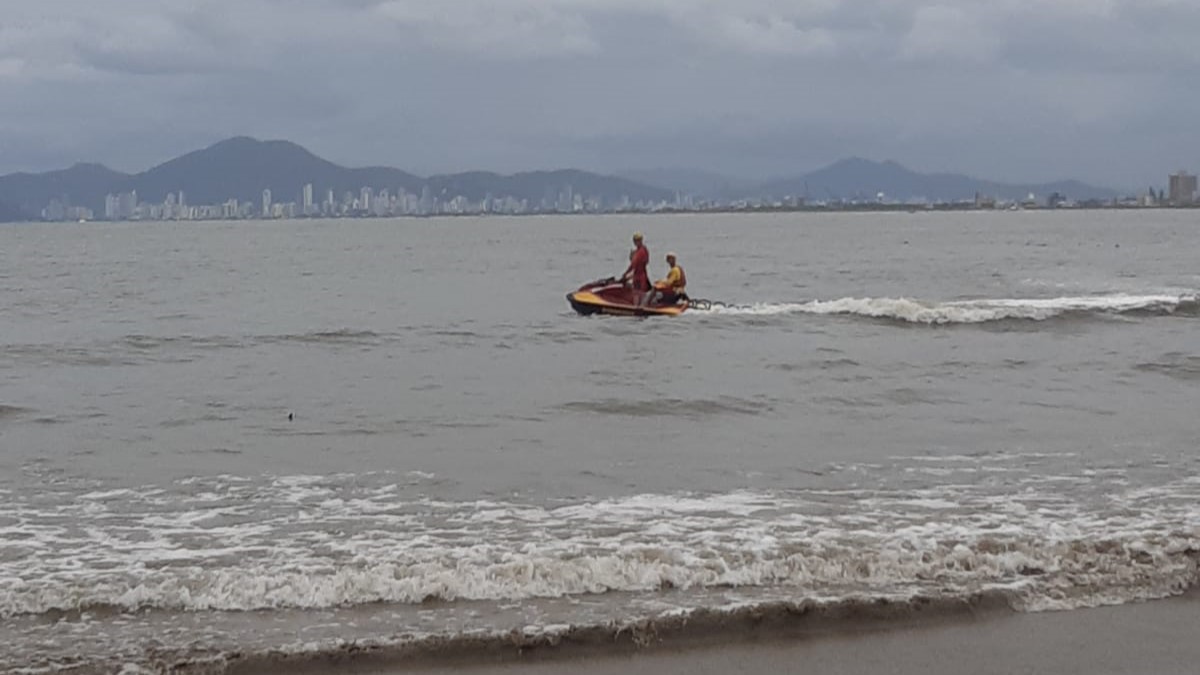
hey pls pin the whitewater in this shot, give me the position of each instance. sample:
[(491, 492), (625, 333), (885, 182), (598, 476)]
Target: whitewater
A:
[(975, 311)]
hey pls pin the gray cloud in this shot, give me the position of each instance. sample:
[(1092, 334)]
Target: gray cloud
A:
[(1105, 90)]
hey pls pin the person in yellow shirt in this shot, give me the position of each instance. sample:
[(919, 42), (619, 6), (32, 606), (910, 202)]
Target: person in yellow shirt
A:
[(669, 290)]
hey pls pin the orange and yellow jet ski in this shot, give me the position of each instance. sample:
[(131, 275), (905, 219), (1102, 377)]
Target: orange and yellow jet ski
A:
[(612, 296)]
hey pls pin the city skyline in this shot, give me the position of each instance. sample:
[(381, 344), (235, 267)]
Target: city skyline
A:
[(1182, 192), (369, 202), (247, 162), (752, 89), (246, 178)]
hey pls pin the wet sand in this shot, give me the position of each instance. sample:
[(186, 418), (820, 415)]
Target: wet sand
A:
[(1161, 637)]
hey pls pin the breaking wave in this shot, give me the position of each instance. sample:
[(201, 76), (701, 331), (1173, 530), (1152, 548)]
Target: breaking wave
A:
[(1044, 574), (977, 311), (239, 546), (677, 628), (373, 571)]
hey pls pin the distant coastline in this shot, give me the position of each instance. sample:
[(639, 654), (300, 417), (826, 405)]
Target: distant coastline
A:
[(726, 210), (247, 179)]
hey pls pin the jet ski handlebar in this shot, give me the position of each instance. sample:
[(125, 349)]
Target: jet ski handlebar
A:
[(607, 281)]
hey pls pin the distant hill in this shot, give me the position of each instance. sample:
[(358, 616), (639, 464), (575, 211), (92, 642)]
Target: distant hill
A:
[(243, 167), (703, 184), (538, 185), (83, 184), (863, 179), (11, 214)]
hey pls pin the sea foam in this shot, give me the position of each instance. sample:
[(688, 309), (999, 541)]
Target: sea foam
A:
[(299, 542), (972, 311)]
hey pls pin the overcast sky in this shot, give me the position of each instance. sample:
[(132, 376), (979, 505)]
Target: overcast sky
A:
[(1103, 90)]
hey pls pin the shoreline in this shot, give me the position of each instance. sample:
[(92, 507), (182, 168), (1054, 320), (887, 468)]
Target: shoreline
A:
[(922, 636), (888, 208), (1155, 636)]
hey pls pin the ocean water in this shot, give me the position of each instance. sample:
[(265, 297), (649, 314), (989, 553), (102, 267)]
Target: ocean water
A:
[(233, 443)]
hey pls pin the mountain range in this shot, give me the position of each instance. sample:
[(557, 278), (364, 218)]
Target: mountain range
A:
[(860, 179), (707, 185), (241, 168), (857, 179)]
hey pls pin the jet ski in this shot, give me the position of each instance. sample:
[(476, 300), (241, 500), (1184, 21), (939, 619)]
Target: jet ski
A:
[(612, 296)]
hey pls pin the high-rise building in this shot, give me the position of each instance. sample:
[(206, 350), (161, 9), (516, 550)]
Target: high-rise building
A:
[(1182, 190), (364, 199), (55, 211), (127, 203), (308, 199), (266, 204), (427, 202)]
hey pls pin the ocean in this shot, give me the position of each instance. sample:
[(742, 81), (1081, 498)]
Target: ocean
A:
[(228, 446)]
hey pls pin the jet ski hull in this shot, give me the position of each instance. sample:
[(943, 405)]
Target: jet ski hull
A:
[(611, 297)]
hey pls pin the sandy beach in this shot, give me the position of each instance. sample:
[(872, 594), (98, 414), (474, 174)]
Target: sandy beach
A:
[(1156, 637), (981, 637)]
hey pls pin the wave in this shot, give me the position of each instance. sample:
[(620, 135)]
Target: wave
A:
[(239, 547), (388, 651), (220, 573), (907, 310), (1045, 575), (344, 336), (12, 411), (1175, 365), (668, 407), (131, 350), (671, 629)]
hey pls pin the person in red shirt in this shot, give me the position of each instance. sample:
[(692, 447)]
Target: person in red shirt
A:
[(636, 273)]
